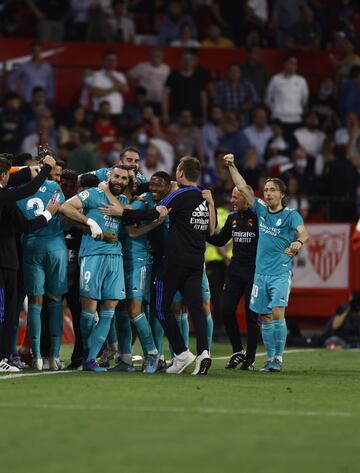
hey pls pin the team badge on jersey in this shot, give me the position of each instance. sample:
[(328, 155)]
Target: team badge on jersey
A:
[(250, 222), (278, 222), (233, 223), (84, 194)]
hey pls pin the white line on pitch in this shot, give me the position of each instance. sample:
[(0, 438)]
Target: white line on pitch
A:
[(178, 410)]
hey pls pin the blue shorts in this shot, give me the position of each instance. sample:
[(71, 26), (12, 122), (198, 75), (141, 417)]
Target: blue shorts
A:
[(138, 280), (270, 291), (204, 287), (45, 273), (102, 277)]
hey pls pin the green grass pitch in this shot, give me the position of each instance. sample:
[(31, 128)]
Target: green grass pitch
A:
[(305, 419)]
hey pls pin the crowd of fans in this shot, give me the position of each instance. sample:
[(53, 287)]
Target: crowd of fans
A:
[(272, 124)]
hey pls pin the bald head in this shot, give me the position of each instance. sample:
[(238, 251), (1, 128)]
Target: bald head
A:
[(238, 201)]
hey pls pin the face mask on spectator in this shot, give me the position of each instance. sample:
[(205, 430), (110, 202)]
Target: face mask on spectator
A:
[(301, 163), (142, 138)]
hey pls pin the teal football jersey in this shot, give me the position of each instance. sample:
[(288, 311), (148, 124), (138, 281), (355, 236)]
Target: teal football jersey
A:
[(103, 175), (276, 232), (51, 237), (92, 199)]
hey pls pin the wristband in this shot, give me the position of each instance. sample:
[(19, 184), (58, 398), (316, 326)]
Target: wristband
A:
[(300, 242), (47, 215), (94, 227)]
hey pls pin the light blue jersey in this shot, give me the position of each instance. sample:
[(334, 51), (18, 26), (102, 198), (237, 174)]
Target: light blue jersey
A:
[(51, 237), (276, 232), (92, 199), (103, 175)]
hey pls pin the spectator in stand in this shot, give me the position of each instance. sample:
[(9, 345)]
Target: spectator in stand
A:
[(295, 200), (44, 134), (346, 46), (151, 123), (98, 29), (350, 94), (50, 18), (32, 110), (190, 137), (256, 17), (79, 16), (185, 40), (172, 22), (122, 26), (254, 71), (259, 132), (11, 123), (305, 35), (138, 139), (84, 157), (186, 88), (340, 182), (32, 74), (279, 147), (323, 157), (235, 94), (324, 103), (153, 161), (222, 186), (303, 170), (309, 137), (214, 38), (287, 95), (285, 15), (110, 85), (134, 110), (227, 14), (251, 170), (233, 139), (152, 76), (349, 136), (211, 133), (104, 127), (78, 120)]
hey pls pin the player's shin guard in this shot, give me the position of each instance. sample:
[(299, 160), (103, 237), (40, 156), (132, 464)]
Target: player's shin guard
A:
[(55, 326), (210, 329), (86, 327), (100, 332), (124, 334), (145, 335), (34, 328), (280, 334), (267, 331), (158, 334)]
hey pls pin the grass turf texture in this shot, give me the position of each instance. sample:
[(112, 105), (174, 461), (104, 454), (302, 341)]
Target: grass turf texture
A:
[(305, 419)]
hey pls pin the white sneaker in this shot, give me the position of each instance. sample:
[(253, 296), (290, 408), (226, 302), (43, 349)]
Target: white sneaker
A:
[(56, 364), (37, 364), (46, 363), (6, 368), (181, 362), (202, 363)]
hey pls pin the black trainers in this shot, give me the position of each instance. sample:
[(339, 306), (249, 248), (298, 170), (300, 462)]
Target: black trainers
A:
[(247, 366), (235, 360)]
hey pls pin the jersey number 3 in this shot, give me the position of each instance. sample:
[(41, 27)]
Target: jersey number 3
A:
[(35, 204)]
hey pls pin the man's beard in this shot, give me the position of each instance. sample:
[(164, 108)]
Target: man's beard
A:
[(116, 189)]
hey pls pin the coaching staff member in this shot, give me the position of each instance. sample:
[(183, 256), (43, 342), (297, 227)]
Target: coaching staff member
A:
[(192, 217), (242, 226)]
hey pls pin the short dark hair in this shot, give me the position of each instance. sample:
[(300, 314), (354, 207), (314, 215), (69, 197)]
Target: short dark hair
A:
[(69, 175), (59, 162), (7, 156), (89, 180), (5, 165), (287, 57), (20, 159), (191, 167), (162, 175), (129, 148), (37, 88), (120, 166)]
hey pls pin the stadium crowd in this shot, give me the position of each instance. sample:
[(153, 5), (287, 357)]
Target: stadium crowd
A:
[(273, 125)]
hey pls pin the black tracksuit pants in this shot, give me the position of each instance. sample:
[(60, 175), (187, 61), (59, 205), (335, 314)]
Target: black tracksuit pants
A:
[(188, 281), (237, 286), (8, 309)]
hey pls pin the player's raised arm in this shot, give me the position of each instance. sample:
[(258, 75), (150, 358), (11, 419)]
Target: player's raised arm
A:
[(72, 209), (212, 211), (238, 180)]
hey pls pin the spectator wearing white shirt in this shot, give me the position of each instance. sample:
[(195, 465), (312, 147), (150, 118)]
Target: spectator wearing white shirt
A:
[(309, 137), (259, 132), (152, 76), (185, 40), (287, 95), (123, 27), (109, 85)]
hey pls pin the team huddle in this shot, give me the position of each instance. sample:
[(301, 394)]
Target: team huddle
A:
[(128, 256)]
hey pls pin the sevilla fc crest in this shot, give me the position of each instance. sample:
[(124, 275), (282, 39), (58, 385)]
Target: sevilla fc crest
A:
[(325, 252)]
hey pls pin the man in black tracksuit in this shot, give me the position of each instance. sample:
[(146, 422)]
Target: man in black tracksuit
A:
[(192, 216), (12, 224), (242, 226)]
